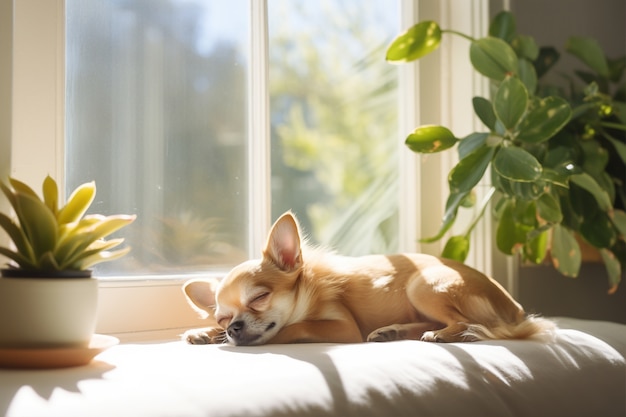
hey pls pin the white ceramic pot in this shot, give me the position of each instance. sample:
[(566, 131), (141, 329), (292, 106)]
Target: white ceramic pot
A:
[(47, 312)]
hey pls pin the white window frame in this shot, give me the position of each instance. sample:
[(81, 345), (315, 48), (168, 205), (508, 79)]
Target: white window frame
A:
[(32, 131)]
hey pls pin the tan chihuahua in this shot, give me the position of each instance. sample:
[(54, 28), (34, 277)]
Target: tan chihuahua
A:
[(299, 294)]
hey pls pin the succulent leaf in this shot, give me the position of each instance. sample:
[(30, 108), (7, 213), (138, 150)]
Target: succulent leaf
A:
[(22, 261), (67, 240), (22, 188), (102, 256), (111, 224), (78, 203), (51, 194), (17, 236), (38, 223)]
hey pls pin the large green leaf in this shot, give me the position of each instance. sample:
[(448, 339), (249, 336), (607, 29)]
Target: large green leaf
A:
[(516, 164), (582, 204), (620, 108), (587, 182), (468, 172), (544, 119), (430, 139), (598, 230), (536, 247), (471, 142), (510, 101), (457, 248), (565, 252), (548, 56), (511, 232), (493, 58), (557, 176), (595, 158), (484, 110), (526, 191), (549, 209), (620, 147), (616, 68), (503, 26), (421, 39), (528, 75), (562, 159), (613, 269), (619, 220), (526, 47), (590, 52)]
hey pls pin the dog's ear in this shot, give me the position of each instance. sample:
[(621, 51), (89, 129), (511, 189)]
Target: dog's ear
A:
[(283, 243), (200, 294)]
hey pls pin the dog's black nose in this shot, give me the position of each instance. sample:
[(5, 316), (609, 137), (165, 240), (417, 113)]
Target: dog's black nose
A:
[(235, 328)]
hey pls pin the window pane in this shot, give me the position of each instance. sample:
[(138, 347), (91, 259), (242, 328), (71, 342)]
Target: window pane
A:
[(157, 101), (334, 120), (157, 116)]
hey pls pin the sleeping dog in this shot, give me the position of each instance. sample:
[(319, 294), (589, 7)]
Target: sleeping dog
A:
[(296, 293)]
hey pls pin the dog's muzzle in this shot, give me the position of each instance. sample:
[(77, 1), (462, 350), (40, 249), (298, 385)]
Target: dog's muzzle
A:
[(239, 333)]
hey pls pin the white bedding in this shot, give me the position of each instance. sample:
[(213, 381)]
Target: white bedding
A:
[(582, 374)]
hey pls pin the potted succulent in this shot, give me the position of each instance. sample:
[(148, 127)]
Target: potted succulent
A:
[(557, 154), (48, 297)]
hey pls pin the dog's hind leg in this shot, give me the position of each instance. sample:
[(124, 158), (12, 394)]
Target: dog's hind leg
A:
[(407, 331), (452, 333)]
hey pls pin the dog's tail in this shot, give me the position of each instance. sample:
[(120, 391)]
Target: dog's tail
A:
[(531, 327)]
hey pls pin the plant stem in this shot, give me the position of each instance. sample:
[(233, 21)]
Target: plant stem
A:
[(480, 214), (454, 32), (613, 125)]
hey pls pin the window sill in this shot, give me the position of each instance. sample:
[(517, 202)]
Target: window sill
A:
[(139, 310)]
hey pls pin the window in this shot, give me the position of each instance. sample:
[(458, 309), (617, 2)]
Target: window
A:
[(157, 112), (248, 111)]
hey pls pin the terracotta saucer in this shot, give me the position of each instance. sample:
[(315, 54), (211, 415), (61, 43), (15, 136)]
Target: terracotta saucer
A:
[(47, 358)]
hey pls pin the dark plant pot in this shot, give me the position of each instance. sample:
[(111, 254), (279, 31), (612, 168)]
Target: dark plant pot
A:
[(22, 273)]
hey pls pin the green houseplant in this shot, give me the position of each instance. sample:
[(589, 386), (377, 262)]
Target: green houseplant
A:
[(47, 294), (557, 154)]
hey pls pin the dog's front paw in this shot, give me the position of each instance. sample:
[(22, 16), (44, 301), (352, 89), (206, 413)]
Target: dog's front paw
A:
[(206, 336), (385, 334)]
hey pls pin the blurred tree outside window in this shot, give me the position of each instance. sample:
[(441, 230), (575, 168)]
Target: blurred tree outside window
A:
[(157, 100)]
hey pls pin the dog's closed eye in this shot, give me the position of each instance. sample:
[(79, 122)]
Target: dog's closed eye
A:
[(259, 302)]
